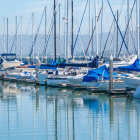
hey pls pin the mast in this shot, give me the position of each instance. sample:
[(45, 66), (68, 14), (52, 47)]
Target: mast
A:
[(139, 31), (65, 28), (33, 33), (59, 29), (72, 30), (97, 50), (21, 39), (4, 36), (92, 39), (67, 38), (45, 26), (16, 35), (127, 41), (115, 28), (7, 35), (89, 23), (101, 28), (117, 37), (38, 44), (54, 31)]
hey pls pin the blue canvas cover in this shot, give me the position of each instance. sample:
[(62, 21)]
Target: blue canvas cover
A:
[(97, 74), (134, 67)]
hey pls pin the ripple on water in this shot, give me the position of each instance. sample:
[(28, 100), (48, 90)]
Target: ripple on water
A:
[(52, 113)]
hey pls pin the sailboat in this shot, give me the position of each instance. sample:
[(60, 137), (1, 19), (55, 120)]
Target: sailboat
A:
[(131, 81), (98, 79), (58, 78), (8, 60)]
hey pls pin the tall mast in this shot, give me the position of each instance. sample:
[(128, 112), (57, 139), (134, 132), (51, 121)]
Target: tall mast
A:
[(92, 39), (7, 35), (4, 36), (101, 28), (65, 28), (89, 23), (45, 26), (67, 38), (115, 27), (33, 33), (16, 35), (97, 50), (127, 23), (38, 44), (72, 29), (54, 31), (21, 39), (139, 31), (59, 29), (117, 38)]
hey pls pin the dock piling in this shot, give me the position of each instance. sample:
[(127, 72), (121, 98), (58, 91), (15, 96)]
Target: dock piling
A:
[(37, 60), (45, 59), (111, 73), (28, 59)]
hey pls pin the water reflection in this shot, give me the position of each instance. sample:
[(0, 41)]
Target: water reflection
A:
[(29, 112)]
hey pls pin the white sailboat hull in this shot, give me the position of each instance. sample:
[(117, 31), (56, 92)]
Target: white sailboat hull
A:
[(76, 80), (131, 82), (57, 80), (89, 84), (7, 64), (103, 85)]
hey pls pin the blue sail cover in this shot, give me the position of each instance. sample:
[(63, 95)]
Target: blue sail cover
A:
[(134, 67), (97, 74)]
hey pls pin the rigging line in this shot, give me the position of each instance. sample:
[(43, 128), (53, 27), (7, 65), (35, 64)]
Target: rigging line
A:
[(10, 29), (48, 38), (14, 38), (50, 31), (133, 41), (49, 12), (82, 39), (118, 27), (31, 51), (112, 38), (127, 26), (101, 36), (107, 40), (112, 41), (110, 31), (79, 28), (28, 27), (93, 32), (1, 26)]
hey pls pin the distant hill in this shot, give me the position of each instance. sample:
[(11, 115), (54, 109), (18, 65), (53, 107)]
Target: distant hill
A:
[(81, 45)]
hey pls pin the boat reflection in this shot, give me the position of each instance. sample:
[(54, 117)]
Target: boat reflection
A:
[(55, 113)]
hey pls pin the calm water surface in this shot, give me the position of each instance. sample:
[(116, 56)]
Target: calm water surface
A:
[(40, 113)]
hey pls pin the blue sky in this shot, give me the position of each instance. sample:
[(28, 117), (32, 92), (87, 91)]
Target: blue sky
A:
[(12, 8), (24, 8)]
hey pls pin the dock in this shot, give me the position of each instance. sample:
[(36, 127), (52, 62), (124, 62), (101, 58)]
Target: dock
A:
[(120, 92)]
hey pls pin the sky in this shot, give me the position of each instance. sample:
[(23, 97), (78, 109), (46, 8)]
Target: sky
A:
[(11, 8), (24, 8)]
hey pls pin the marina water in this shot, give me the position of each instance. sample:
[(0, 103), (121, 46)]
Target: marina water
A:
[(41, 113)]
